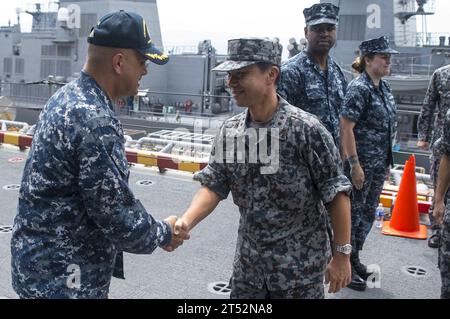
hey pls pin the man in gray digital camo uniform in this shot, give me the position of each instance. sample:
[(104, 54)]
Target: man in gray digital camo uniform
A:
[(282, 247)]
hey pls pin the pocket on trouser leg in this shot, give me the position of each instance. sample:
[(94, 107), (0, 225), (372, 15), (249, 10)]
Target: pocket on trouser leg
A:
[(310, 291)]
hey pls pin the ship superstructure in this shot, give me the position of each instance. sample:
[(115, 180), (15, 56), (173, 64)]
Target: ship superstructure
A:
[(34, 64)]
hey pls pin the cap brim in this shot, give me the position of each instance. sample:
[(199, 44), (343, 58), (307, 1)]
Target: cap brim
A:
[(387, 51), (154, 55), (232, 65), (322, 21)]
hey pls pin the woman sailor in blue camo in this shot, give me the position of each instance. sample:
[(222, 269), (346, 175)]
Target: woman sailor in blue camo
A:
[(367, 132)]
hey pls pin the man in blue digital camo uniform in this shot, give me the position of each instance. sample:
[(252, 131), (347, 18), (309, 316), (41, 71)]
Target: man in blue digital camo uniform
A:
[(282, 247), (442, 205), (437, 99), (311, 80), (76, 212)]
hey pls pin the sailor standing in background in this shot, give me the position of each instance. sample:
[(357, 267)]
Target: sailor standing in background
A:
[(441, 211), (437, 97), (367, 133), (311, 80)]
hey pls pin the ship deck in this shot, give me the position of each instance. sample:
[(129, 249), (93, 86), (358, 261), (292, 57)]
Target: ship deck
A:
[(206, 260)]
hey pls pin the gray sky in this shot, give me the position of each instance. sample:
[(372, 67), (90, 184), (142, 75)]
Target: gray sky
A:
[(220, 20), (186, 22)]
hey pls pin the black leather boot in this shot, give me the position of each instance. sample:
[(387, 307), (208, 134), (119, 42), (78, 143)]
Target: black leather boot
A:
[(357, 282), (360, 268), (433, 241)]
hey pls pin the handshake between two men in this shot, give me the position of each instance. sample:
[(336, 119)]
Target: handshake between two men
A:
[(180, 233), (203, 203)]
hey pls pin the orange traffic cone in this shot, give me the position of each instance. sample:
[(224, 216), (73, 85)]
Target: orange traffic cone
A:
[(405, 217)]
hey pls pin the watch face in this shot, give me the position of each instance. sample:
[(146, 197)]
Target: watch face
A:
[(345, 249)]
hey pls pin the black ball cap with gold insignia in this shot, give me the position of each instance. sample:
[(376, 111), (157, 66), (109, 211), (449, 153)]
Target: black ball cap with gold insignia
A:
[(128, 30)]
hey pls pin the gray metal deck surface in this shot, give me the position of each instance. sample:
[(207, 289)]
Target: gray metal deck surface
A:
[(208, 256)]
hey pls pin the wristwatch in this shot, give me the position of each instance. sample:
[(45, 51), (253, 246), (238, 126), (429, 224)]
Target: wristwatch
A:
[(344, 249)]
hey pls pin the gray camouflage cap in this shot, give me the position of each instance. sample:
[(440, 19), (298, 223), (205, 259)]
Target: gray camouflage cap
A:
[(248, 51), (379, 45), (321, 13)]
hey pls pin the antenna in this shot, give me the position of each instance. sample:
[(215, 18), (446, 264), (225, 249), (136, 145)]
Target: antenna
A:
[(408, 13), (420, 4), (18, 12)]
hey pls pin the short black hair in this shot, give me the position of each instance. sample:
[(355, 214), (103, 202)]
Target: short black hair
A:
[(264, 66)]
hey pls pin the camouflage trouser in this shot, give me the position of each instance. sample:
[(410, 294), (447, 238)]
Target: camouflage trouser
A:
[(435, 160), (242, 290), (364, 204), (444, 254)]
